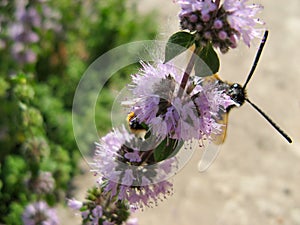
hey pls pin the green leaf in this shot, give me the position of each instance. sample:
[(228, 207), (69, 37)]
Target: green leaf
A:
[(209, 63), (166, 149), (178, 43)]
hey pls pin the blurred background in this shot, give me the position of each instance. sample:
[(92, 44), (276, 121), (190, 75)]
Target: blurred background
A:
[(45, 47)]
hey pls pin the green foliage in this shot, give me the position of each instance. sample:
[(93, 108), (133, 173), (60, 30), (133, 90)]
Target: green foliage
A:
[(60, 165), (178, 43), (15, 170), (167, 149), (13, 193), (15, 213), (36, 132), (210, 64), (116, 212), (3, 87)]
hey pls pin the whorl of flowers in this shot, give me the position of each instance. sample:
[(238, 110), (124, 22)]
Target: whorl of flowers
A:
[(222, 25), (129, 173), (99, 209), (30, 17), (187, 117), (42, 184), (39, 213)]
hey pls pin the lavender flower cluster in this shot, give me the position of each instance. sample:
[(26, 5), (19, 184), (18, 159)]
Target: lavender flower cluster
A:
[(42, 184), (125, 170), (39, 213), (222, 25), (169, 108), (30, 18), (187, 117), (99, 209)]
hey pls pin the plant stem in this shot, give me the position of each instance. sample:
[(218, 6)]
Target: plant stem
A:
[(188, 70)]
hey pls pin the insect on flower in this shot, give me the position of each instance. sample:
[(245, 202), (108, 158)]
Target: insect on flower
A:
[(135, 126), (238, 94)]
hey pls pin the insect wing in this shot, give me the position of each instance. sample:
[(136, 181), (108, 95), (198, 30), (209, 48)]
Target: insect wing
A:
[(219, 138), (213, 147)]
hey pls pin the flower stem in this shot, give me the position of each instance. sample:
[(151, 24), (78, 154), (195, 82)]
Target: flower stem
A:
[(146, 156), (188, 70)]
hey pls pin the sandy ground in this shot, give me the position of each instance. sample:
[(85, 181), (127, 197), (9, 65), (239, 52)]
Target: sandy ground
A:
[(256, 177)]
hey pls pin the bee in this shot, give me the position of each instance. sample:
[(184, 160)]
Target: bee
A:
[(137, 128), (238, 94)]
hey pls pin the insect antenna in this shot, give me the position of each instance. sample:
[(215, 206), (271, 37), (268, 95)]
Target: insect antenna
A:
[(256, 59), (270, 121)]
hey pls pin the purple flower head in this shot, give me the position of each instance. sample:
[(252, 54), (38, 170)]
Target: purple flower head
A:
[(23, 54), (19, 33), (154, 75), (109, 151), (29, 16), (129, 174), (120, 157), (225, 23), (43, 183), (241, 18), (39, 213), (133, 156), (190, 6), (85, 214), (100, 208), (97, 213), (132, 221), (158, 105), (128, 177), (148, 195), (51, 19), (74, 204)]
